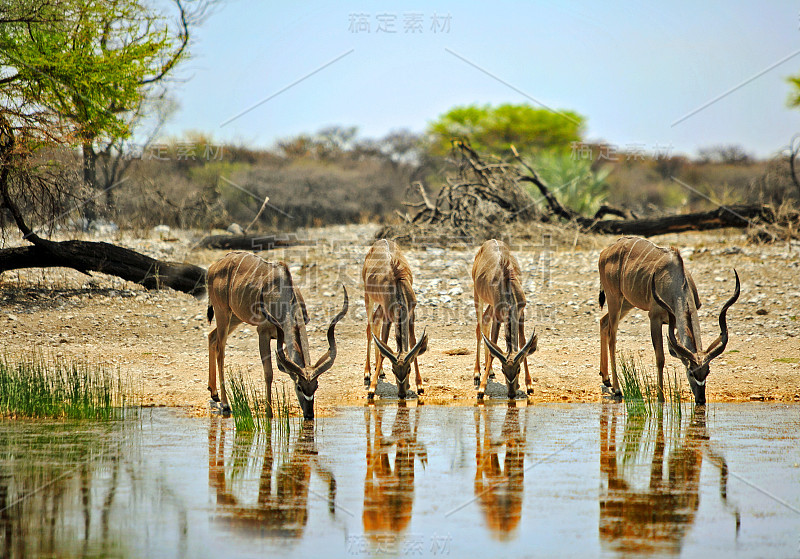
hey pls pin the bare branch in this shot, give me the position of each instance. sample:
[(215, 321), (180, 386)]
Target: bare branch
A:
[(794, 151), (260, 211)]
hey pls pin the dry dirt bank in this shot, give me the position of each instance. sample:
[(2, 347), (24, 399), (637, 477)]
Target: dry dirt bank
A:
[(159, 338)]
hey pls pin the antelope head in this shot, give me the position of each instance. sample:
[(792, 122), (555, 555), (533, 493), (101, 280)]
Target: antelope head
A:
[(401, 364), (510, 363), (305, 377), (697, 361)]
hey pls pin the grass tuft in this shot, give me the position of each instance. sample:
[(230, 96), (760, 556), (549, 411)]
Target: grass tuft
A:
[(640, 389), (249, 405), (63, 388)]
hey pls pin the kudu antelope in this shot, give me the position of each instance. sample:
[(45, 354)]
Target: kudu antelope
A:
[(496, 276), (636, 273), (388, 284), (245, 288)]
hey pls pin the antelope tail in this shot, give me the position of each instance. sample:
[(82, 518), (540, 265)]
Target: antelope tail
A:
[(602, 298), (210, 313)]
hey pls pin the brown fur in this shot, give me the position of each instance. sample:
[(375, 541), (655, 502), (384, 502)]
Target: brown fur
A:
[(631, 271), (496, 278), (243, 288), (388, 284)]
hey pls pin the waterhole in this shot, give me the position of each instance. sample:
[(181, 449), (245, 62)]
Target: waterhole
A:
[(495, 481)]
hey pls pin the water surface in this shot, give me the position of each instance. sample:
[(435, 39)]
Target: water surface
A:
[(545, 480)]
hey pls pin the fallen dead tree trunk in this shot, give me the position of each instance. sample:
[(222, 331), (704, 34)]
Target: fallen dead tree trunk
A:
[(84, 256), (739, 216), (485, 198), (251, 242), (110, 259)]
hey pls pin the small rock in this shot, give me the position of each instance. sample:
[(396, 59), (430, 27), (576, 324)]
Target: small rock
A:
[(757, 397), (762, 312), (732, 250), (235, 229)]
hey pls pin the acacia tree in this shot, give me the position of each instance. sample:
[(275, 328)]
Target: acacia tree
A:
[(793, 152), (544, 134), (494, 129), (77, 73), (96, 65)]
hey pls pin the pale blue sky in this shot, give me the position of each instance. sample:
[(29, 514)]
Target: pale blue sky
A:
[(632, 68)]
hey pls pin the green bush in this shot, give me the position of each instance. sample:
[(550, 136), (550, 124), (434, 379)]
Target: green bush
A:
[(572, 180), (493, 129)]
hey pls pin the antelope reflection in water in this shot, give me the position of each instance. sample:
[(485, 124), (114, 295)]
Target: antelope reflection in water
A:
[(388, 491), (280, 511), (654, 519), (499, 490)]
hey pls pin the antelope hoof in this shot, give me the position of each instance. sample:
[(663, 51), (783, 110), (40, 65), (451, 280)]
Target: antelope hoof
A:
[(477, 381), (214, 397), (226, 410), (491, 375), (382, 375), (480, 396), (370, 396), (607, 383), (530, 391), (366, 381), (420, 390)]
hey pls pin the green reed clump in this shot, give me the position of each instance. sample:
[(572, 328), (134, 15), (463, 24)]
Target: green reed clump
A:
[(640, 388), (40, 386), (249, 405)]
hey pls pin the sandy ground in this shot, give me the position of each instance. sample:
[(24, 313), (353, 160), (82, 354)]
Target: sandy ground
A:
[(159, 338)]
